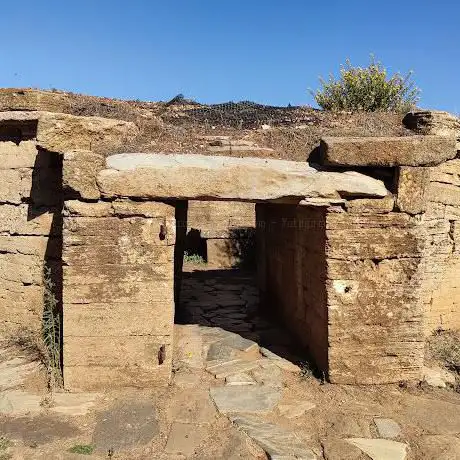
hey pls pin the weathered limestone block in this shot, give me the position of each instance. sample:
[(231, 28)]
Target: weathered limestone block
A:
[(447, 173), (370, 205), (15, 185), (159, 176), (93, 319), (387, 151), (444, 193), (413, 184), (143, 209), (14, 156), (27, 220), (116, 252), (120, 292), (97, 378), (39, 246), (59, 132), (21, 268), (79, 172), (375, 272), (74, 208), (434, 122)]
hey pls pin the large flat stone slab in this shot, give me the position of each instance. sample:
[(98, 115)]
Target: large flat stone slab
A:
[(159, 176), (388, 151), (276, 441), (253, 399)]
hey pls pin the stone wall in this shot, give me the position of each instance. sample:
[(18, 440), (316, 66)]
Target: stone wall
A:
[(291, 243), (442, 289), (221, 232), (30, 230), (347, 282), (118, 292)]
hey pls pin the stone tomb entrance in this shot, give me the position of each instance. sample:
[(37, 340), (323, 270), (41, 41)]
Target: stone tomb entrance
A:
[(353, 262), (335, 262)]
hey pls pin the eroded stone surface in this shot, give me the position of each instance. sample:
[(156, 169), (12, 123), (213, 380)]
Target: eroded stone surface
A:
[(157, 176), (254, 399), (387, 428), (388, 151)]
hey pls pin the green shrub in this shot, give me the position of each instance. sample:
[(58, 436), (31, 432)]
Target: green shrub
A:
[(368, 89)]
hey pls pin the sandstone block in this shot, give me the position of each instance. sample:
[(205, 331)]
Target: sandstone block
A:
[(58, 132), (370, 205), (27, 220), (15, 185), (136, 351), (39, 246), (16, 156), (110, 319), (444, 193), (119, 292), (433, 122), (143, 209), (21, 268), (95, 274), (118, 252), (388, 151), (79, 172), (94, 378), (413, 184), (159, 176), (82, 209)]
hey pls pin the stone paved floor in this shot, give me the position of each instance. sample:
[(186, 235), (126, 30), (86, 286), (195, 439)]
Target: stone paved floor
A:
[(229, 299)]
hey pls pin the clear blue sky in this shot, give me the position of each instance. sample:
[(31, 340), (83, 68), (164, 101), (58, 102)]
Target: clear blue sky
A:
[(218, 50)]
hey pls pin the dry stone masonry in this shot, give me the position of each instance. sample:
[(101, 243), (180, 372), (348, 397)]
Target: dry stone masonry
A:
[(358, 256)]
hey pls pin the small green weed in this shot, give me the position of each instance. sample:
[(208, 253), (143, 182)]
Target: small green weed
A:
[(83, 449), (193, 258)]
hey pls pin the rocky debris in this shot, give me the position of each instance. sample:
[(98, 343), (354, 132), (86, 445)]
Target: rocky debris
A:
[(296, 409), (277, 442), (158, 176), (125, 425), (381, 449), (435, 376), (387, 428), (252, 399), (388, 151)]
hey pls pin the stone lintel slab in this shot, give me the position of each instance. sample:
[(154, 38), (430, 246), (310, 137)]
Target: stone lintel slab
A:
[(202, 177), (388, 151)]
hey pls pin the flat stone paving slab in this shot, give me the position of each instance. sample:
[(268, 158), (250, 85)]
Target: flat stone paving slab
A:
[(127, 424), (184, 438), (16, 402), (224, 370), (250, 399), (240, 379), (387, 428), (277, 442), (381, 449), (39, 430)]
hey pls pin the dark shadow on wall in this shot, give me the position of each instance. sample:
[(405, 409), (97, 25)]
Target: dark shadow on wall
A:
[(241, 247), (46, 196), (195, 244)]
